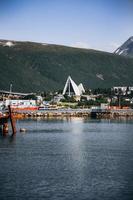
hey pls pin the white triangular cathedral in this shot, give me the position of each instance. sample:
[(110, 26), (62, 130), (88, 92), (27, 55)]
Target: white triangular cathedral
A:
[(71, 88), (81, 88)]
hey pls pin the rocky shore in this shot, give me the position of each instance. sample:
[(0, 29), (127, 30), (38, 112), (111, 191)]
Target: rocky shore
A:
[(73, 113)]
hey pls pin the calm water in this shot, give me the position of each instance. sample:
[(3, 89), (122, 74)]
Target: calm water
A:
[(68, 159)]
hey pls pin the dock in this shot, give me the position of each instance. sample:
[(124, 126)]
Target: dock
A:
[(5, 117)]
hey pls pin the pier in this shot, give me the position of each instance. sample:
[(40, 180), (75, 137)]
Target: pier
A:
[(5, 117), (99, 112)]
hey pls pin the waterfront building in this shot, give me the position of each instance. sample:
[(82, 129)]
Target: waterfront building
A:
[(21, 104), (89, 97), (57, 98), (123, 90)]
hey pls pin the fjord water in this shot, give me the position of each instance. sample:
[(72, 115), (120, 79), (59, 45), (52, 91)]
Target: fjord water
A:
[(68, 159)]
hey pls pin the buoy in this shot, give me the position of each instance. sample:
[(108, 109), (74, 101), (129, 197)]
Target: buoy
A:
[(22, 129)]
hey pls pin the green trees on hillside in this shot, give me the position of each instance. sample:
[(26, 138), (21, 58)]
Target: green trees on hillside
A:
[(35, 67)]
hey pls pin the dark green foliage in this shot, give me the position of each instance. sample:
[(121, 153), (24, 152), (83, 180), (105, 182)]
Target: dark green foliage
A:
[(48, 98), (122, 103), (68, 99), (33, 67), (104, 91), (32, 96), (89, 103)]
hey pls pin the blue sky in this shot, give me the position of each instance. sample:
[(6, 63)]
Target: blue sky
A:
[(96, 24)]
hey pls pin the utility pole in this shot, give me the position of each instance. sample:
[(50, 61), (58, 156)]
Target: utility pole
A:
[(119, 101)]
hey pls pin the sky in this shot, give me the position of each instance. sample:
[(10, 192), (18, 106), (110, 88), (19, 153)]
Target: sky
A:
[(95, 24)]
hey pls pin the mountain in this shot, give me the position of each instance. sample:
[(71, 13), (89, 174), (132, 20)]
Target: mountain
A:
[(32, 67), (126, 49)]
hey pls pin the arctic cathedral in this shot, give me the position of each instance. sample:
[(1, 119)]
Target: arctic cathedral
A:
[(72, 89)]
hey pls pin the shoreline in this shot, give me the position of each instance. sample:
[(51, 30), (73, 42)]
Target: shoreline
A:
[(83, 113)]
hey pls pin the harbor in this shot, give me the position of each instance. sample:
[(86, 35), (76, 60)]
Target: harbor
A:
[(11, 115), (72, 101), (66, 100)]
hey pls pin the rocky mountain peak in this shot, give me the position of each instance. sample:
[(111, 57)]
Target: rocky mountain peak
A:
[(126, 49)]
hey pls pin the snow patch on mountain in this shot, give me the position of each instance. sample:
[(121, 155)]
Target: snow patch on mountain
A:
[(126, 49), (9, 44), (117, 50), (100, 76), (44, 44), (122, 51)]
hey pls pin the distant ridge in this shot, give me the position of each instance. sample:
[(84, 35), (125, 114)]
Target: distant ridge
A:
[(32, 67), (126, 49)]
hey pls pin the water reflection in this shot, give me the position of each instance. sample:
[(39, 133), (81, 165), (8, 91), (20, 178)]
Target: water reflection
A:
[(71, 158)]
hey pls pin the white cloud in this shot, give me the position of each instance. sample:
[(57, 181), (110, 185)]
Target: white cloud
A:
[(81, 45), (110, 47), (114, 45)]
